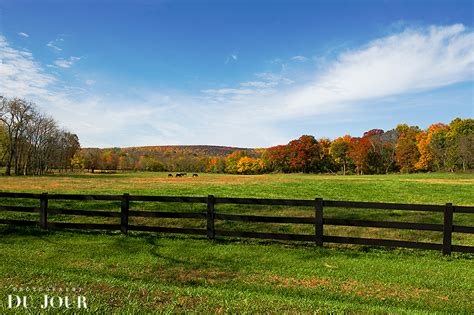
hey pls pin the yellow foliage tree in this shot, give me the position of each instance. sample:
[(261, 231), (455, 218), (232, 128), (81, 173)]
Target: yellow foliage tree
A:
[(424, 147), (248, 165)]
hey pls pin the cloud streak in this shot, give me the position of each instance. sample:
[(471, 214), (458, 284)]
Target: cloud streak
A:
[(299, 58), (66, 63), (54, 44)]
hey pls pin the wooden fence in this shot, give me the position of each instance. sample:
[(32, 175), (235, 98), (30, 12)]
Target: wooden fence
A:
[(319, 221)]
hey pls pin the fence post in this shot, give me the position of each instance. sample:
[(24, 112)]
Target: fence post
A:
[(448, 228), (210, 217), (125, 205), (44, 211), (318, 208)]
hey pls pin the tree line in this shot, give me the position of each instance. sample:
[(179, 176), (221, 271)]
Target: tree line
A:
[(441, 147), (407, 149), (31, 142)]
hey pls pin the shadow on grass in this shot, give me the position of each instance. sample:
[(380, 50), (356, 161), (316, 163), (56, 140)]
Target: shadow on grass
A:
[(153, 239)]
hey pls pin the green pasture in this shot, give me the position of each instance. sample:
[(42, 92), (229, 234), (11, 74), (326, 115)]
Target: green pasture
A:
[(147, 272)]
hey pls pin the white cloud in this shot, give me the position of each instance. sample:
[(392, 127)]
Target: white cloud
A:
[(23, 34), (299, 58), (66, 63), (21, 75), (411, 61)]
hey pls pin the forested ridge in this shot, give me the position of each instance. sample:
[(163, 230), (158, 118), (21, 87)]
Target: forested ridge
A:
[(32, 143), (441, 147)]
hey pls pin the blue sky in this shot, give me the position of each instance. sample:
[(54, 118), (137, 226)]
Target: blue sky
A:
[(241, 73)]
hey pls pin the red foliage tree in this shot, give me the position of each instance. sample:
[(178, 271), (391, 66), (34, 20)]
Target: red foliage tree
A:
[(359, 151)]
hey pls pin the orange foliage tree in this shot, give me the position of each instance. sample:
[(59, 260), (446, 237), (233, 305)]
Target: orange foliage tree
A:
[(407, 154)]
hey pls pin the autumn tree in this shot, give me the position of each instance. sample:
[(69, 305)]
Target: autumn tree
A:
[(339, 151), (359, 152), (233, 159), (277, 158), (425, 162), (304, 154), (326, 162), (248, 165), (407, 154)]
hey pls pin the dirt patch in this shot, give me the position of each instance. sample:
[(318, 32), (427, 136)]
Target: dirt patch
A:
[(194, 276), (382, 292), (298, 283)]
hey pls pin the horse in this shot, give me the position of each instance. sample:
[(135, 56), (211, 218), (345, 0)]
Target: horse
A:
[(195, 175)]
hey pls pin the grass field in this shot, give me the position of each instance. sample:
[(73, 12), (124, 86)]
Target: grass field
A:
[(151, 272)]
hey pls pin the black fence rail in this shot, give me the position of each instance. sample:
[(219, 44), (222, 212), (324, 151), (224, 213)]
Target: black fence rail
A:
[(211, 216)]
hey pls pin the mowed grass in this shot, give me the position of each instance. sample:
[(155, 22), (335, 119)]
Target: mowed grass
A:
[(148, 272)]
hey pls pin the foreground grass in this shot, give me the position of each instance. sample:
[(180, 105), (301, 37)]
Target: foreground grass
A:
[(147, 272)]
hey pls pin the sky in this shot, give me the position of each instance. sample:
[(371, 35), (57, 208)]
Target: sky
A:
[(237, 73)]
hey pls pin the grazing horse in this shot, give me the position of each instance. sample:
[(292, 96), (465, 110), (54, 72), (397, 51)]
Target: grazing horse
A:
[(195, 175), (179, 175), (170, 175)]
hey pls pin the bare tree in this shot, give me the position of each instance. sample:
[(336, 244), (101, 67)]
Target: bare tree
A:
[(33, 143), (15, 115)]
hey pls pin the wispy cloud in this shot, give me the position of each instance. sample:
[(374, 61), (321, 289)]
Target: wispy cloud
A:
[(299, 58), (23, 34), (264, 86), (410, 61), (54, 44), (66, 63), (89, 82), (232, 58)]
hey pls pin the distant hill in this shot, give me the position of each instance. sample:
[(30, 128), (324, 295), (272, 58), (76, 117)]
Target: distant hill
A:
[(187, 158), (196, 150)]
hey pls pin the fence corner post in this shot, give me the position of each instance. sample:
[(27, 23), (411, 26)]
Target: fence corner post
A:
[(125, 205), (448, 229), (318, 208), (44, 211), (210, 217)]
